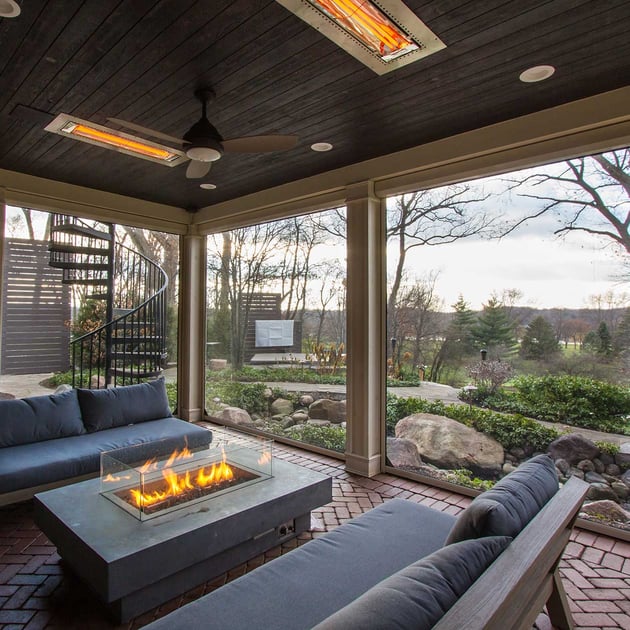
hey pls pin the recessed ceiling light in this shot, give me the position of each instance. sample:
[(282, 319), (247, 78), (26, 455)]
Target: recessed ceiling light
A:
[(9, 8), (208, 186), (321, 146), (536, 73)]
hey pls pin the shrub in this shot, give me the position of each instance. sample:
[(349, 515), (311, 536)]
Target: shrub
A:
[(330, 437), (575, 400), (248, 396)]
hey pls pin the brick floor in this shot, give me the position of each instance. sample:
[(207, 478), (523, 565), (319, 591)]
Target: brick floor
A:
[(37, 591)]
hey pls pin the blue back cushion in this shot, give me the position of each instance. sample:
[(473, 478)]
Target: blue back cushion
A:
[(419, 595), (106, 408), (38, 418), (507, 508)]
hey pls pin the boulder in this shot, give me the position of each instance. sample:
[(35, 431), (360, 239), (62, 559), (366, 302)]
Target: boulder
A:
[(300, 417), (287, 422), (64, 387), (281, 407), (608, 510), (573, 447), (622, 458), (601, 492), (448, 444), (586, 465), (613, 469), (306, 400), (236, 415), (593, 477), (326, 409), (621, 490), (319, 423), (403, 453), (562, 465)]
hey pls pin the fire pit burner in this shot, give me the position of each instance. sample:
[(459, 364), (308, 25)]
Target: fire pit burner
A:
[(170, 480)]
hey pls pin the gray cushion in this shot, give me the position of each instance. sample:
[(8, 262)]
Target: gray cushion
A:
[(419, 595), (27, 420), (507, 508), (301, 588), (31, 465), (118, 406)]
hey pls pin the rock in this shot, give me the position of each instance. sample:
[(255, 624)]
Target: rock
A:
[(97, 382), (606, 458), (319, 423), (403, 452), (281, 406), (562, 465), (586, 465), (621, 490), (449, 444), (236, 415), (300, 417), (575, 472), (217, 364), (599, 465), (63, 388), (508, 468), (518, 452), (601, 492), (608, 510), (613, 469), (287, 422), (267, 393), (626, 478), (622, 458), (326, 409), (593, 477), (573, 447), (306, 400)]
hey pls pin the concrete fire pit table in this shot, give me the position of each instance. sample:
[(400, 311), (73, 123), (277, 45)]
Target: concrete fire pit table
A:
[(134, 566)]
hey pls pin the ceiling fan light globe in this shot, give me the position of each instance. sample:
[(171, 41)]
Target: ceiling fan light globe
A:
[(203, 154)]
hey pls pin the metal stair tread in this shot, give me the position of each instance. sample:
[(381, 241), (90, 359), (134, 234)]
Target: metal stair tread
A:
[(82, 230)]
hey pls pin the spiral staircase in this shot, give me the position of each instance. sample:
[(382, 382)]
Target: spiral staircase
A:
[(130, 347)]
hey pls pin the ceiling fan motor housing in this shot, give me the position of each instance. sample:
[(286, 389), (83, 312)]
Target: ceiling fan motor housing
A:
[(202, 142)]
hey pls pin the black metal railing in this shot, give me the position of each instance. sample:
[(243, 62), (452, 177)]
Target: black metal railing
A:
[(130, 346)]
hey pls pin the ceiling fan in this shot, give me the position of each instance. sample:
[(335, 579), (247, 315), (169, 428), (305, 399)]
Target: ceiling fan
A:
[(203, 144)]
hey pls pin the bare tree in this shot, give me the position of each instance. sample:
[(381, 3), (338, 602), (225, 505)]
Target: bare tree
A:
[(428, 218), (593, 196)]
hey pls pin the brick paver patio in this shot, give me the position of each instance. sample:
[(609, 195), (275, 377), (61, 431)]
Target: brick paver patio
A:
[(37, 592)]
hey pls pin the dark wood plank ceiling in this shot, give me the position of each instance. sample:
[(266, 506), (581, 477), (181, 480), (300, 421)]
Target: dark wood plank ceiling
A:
[(272, 73)]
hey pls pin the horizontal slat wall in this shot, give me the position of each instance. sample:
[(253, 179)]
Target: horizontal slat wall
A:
[(35, 311), (266, 306)]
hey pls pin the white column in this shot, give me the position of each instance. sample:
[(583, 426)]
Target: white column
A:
[(365, 329), (192, 327)]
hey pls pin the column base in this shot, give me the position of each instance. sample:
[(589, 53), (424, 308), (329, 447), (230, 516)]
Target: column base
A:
[(364, 466)]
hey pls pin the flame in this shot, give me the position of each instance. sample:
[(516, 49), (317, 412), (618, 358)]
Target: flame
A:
[(177, 484), (110, 477)]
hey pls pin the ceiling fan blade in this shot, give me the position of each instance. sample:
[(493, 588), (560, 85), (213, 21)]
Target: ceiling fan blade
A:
[(259, 144), (197, 169), (146, 131)]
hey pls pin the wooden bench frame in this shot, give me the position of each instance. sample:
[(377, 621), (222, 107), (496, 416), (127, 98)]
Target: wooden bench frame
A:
[(524, 578)]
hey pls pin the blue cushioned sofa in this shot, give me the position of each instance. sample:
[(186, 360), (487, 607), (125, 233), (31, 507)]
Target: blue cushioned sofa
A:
[(405, 566), (48, 441)]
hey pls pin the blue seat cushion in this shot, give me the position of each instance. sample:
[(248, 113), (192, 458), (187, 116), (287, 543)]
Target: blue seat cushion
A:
[(117, 406), (507, 507), (418, 596), (39, 418), (305, 586), (31, 465)]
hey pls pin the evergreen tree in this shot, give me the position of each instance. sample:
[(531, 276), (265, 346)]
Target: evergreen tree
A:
[(459, 331), (621, 340), (600, 340), (539, 340), (494, 331)]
